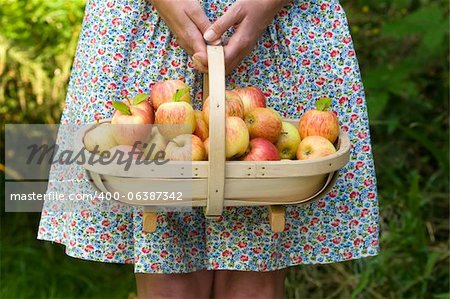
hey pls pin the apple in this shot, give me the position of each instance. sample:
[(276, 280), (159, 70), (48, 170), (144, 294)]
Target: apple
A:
[(186, 147), (288, 141), (252, 97), (99, 139), (264, 123), (320, 122), (201, 129), (157, 143), (261, 149), (142, 101), (175, 118), (313, 147), (198, 114), (167, 91), (233, 106), (131, 121), (123, 152), (236, 137)]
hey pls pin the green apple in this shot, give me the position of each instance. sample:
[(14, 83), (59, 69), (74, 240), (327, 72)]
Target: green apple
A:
[(288, 141)]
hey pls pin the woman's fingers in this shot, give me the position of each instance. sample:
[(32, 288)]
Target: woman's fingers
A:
[(238, 47), (232, 16)]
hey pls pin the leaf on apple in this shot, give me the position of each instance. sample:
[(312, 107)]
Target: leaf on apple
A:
[(323, 104), (122, 107), (140, 98), (180, 93)]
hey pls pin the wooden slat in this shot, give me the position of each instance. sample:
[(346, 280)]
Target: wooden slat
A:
[(216, 166)]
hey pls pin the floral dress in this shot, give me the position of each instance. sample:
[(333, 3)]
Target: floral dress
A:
[(306, 53)]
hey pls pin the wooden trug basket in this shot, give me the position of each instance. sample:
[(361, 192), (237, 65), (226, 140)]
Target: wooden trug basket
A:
[(217, 183)]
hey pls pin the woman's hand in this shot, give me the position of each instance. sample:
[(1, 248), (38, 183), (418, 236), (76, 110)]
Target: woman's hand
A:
[(187, 21), (250, 18)]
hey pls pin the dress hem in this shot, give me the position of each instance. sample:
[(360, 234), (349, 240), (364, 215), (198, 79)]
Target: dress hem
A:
[(292, 263)]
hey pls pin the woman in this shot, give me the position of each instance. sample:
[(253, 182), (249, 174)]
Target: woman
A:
[(296, 52)]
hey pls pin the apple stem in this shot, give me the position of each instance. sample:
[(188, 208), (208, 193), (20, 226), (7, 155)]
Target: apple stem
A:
[(128, 100)]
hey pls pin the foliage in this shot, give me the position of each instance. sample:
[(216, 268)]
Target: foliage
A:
[(402, 47)]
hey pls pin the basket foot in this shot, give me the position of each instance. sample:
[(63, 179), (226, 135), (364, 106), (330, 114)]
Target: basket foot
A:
[(277, 218), (149, 221)]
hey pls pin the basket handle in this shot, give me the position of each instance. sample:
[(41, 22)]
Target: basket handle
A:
[(214, 85)]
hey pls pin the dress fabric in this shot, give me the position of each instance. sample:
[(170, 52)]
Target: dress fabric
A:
[(306, 53)]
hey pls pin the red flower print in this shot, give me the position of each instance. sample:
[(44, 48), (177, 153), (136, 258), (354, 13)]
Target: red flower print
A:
[(214, 265), (72, 243), (115, 21), (105, 237), (372, 229), (155, 267), (257, 250), (126, 9), (347, 39), (337, 240), (244, 258), (324, 250), (306, 62), (85, 213), (226, 253), (362, 135), (307, 247), (145, 16), (324, 6), (321, 238), (242, 244), (145, 250), (110, 255), (122, 227), (90, 230), (304, 6), (354, 194), (343, 208), (354, 222), (88, 248), (287, 244), (328, 34), (163, 253), (304, 229), (348, 255)]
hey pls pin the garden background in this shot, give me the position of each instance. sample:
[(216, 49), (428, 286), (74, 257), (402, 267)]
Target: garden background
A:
[(402, 46)]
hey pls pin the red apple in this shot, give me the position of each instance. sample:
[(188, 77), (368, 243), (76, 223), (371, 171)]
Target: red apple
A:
[(261, 149), (201, 129), (288, 141), (252, 97), (233, 106), (167, 91), (320, 122), (236, 137), (175, 118), (131, 121), (313, 147), (264, 123), (186, 147)]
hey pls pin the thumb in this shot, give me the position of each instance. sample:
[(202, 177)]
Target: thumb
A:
[(222, 24)]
